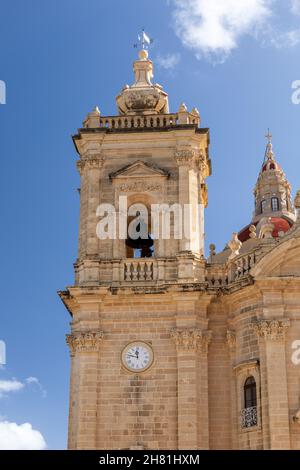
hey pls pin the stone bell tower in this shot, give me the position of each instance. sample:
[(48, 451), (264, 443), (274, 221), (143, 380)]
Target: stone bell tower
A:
[(139, 334)]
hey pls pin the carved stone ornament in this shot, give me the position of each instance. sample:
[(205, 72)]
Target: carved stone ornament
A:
[(231, 339), (271, 329), (90, 163), (191, 338), (139, 186), (88, 341), (235, 245)]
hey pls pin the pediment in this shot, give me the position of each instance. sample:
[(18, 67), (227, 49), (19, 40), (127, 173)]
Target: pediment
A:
[(282, 261), (139, 169)]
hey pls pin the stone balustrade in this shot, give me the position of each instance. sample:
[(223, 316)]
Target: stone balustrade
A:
[(145, 121), (102, 272), (138, 270), (241, 266)]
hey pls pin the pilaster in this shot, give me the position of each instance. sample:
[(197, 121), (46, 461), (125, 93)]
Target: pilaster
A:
[(84, 351), (275, 411)]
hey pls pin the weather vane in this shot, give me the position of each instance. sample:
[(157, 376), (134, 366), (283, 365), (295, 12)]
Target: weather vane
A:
[(144, 40)]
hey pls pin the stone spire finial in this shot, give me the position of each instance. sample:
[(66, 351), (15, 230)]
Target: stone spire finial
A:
[(269, 155)]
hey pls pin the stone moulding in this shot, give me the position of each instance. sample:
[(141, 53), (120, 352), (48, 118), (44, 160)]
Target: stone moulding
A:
[(246, 366), (191, 339), (271, 329), (88, 341)]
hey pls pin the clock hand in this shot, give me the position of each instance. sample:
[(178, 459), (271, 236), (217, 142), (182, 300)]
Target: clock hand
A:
[(131, 355)]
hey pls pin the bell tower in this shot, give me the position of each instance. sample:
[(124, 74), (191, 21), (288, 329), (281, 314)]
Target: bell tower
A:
[(139, 336)]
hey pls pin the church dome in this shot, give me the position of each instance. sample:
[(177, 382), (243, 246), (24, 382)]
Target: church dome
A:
[(281, 226)]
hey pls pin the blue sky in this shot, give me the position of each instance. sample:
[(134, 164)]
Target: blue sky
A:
[(236, 64)]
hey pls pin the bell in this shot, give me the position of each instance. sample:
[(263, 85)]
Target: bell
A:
[(139, 243)]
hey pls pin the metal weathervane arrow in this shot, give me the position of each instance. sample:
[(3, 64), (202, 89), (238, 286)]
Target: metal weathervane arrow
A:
[(144, 40)]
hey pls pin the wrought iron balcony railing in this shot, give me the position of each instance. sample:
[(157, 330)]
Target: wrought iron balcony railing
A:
[(249, 417)]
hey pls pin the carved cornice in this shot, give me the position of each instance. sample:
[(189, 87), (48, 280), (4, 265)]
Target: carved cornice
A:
[(191, 339), (271, 329), (90, 163), (87, 341), (231, 339)]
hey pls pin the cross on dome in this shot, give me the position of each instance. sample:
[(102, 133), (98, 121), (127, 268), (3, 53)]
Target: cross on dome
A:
[(269, 136), (269, 154)]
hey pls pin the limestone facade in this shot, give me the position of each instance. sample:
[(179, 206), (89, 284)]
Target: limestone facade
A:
[(223, 329)]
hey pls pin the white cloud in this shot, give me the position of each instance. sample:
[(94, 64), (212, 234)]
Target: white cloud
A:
[(168, 61), (214, 28), (35, 381), (286, 39), (15, 436), (295, 7), (7, 386)]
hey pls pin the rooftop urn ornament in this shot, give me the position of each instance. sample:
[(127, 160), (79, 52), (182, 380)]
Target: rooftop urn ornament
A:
[(235, 245), (212, 249)]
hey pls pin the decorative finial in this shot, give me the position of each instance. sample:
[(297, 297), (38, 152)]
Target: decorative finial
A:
[(182, 108)]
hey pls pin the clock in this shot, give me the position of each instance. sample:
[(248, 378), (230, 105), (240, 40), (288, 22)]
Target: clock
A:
[(137, 356)]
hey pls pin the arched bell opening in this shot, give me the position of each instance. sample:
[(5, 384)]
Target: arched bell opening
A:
[(139, 242)]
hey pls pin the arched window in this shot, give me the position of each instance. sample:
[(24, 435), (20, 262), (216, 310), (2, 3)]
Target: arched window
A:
[(263, 206), (275, 204), (250, 398), (141, 244)]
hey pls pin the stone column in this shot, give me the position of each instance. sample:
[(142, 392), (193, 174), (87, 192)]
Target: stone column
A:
[(190, 343), (274, 391), (84, 350)]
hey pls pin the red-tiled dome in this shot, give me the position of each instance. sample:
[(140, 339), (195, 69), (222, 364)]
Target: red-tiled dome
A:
[(280, 225)]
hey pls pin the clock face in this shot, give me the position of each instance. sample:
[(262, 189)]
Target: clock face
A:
[(137, 356)]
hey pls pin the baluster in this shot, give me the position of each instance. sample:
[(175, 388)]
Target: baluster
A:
[(127, 271), (149, 270), (134, 271)]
